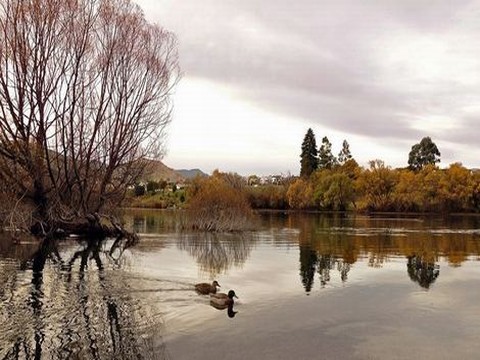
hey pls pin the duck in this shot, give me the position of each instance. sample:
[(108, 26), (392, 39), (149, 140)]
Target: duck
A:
[(222, 300), (206, 288)]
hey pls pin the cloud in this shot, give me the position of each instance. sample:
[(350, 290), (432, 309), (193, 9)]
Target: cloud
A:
[(389, 69)]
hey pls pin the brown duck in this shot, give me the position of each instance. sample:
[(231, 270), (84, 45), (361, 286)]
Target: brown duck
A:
[(205, 288), (222, 301)]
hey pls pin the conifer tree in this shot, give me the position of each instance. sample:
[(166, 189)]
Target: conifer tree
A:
[(308, 157), (344, 155), (326, 160)]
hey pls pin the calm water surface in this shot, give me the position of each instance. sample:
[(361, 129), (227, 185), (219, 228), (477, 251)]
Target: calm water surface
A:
[(310, 286)]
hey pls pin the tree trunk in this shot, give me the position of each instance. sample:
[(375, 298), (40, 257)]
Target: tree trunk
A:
[(91, 226)]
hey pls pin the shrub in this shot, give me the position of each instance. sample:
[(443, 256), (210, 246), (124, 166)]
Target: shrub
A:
[(268, 196), (216, 205)]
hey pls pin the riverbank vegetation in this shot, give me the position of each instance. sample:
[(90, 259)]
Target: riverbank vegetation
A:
[(338, 183), (156, 195), (381, 188), (219, 202), (346, 187)]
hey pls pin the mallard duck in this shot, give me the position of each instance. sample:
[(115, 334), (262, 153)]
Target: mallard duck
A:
[(205, 288), (222, 300)]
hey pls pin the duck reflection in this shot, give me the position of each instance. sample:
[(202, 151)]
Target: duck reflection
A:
[(230, 311), (74, 308), (217, 253), (222, 301)]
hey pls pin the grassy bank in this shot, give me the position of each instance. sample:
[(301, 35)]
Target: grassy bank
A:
[(157, 200)]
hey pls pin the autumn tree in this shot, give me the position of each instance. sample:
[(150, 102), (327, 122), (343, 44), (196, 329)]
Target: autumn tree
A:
[(300, 194), (218, 203), (233, 179), (269, 196), (476, 190), (333, 190), (351, 169), (457, 188), (377, 185), (326, 160), (84, 101), (423, 153), (408, 194), (428, 182), (308, 157)]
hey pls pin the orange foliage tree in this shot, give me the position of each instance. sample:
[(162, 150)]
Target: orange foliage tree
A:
[(457, 188), (300, 194), (377, 186)]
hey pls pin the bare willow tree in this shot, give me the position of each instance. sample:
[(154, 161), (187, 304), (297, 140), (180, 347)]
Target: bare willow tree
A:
[(85, 91)]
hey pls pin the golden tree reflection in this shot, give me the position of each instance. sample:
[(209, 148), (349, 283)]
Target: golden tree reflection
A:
[(335, 242), (322, 252), (215, 253)]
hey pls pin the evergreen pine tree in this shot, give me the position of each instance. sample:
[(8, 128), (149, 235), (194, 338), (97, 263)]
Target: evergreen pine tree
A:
[(308, 157)]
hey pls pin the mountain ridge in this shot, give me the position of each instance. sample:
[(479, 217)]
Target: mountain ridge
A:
[(191, 173), (157, 170)]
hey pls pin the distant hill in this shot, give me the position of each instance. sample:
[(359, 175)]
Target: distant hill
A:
[(190, 174), (156, 170)]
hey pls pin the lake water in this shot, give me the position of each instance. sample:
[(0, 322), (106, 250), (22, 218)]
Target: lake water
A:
[(310, 286)]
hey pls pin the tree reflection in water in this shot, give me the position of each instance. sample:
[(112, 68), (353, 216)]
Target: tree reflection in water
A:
[(422, 271), (77, 305), (215, 253), (321, 252), (312, 262), (335, 242), (308, 264)]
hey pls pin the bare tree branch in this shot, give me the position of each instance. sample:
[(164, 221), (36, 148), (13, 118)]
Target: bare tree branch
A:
[(85, 91)]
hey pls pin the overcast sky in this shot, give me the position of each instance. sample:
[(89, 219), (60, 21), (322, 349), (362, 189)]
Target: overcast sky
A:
[(381, 74)]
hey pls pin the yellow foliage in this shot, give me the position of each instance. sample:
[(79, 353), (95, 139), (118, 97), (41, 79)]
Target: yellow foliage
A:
[(408, 195), (457, 188), (300, 194), (377, 186), (216, 205)]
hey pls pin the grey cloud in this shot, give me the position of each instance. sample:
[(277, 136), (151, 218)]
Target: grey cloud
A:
[(352, 114), (466, 133), (316, 60)]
